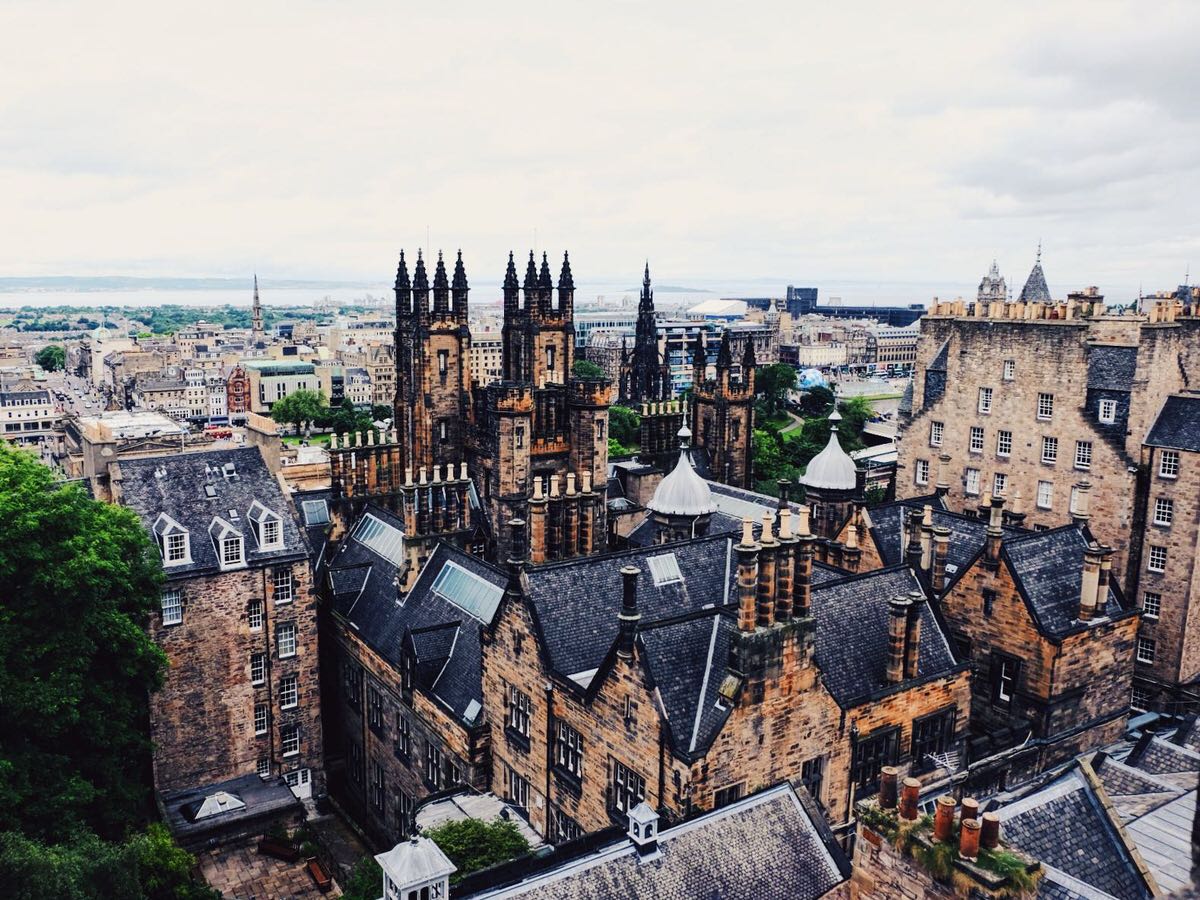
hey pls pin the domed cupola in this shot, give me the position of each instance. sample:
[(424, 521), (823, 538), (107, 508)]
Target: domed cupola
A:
[(831, 483), (682, 502)]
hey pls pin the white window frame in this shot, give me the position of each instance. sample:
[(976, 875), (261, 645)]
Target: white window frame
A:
[(258, 668), (265, 519), (1156, 558), (972, 475), (1083, 455), (289, 736), (985, 400), (936, 431), (262, 719), (1107, 413), (289, 686), (1004, 443), (976, 439), (1151, 604), (254, 615), (1049, 450), (1048, 493), (1139, 699), (263, 767), (999, 484), (1168, 464), (1010, 369), (286, 648), (1164, 511), (1146, 648), (922, 471), (172, 599), (283, 593), (1045, 407)]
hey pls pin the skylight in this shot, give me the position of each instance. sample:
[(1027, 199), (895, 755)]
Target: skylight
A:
[(316, 512), (381, 537), (664, 569), (470, 593)]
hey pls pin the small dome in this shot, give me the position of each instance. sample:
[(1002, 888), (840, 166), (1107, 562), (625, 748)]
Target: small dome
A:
[(682, 492), (832, 469)]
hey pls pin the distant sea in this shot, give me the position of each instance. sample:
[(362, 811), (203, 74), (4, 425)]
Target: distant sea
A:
[(483, 294)]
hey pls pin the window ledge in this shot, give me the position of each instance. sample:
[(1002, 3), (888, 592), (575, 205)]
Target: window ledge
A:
[(569, 781), (516, 739)]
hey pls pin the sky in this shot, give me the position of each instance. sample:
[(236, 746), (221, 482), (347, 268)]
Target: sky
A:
[(887, 142)]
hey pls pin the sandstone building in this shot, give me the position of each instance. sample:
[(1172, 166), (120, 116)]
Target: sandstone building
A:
[(238, 621)]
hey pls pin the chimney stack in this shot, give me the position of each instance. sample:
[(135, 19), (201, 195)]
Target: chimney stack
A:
[(1089, 582), (968, 839), (889, 777), (785, 568), (942, 487), (910, 793), (989, 831), (912, 633), (941, 553), (516, 554), (912, 553), (926, 537), (897, 630), (766, 572), (747, 563), (629, 615), (995, 531), (943, 818), (1081, 509)]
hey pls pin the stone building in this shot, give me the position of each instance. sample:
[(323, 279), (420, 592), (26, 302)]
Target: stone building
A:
[(238, 621), (237, 397), (28, 412), (380, 362), (722, 413), (645, 374), (487, 356)]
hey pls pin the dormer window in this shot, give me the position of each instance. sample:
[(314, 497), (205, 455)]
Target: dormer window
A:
[(228, 542), (268, 527), (173, 541)]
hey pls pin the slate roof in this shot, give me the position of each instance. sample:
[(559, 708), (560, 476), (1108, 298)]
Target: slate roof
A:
[(1111, 367), (443, 636), (1064, 825), (766, 847), (853, 612), (1163, 837), (1177, 425), (1047, 567), (176, 485), (733, 504), (1035, 289)]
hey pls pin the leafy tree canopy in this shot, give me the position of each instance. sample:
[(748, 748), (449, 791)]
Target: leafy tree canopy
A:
[(76, 664), (473, 845), (52, 357), (625, 425), (816, 402), (301, 408), (381, 412), (585, 368), (772, 384)]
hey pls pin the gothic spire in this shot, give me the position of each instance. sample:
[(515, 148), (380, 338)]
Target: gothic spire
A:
[(725, 353), (510, 274), (748, 361), (545, 282), (402, 282), (699, 353), (565, 281), (460, 274), (440, 281), (1036, 290), (646, 304), (530, 273), (420, 278)]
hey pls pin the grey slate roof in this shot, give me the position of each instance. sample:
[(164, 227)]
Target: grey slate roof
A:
[(1177, 425), (1035, 289), (1064, 825), (444, 637), (1163, 837), (176, 485), (853, 612), (1111, 367), (765, 847), (1047, 567)]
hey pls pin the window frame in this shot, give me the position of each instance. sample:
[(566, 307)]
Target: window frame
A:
[(1151, 604), (944, 721), (1161, 504), (937, 431), (289, 629), (976, 439), (1083, 455), (1169, 460), (176, 605), (1004, 443), (624, 784), (866, 761), (258, 661), (262, 719), (283, 594), (1049, 504), (1045, 407), (568, 750), (921, 471), (289, 734), (1156, 561), (255, 615), (1049, 450), (289, 685), (1001, 663), (984, 405), (967, 478), (1150, 646), (1111, 417), (1010, 369)]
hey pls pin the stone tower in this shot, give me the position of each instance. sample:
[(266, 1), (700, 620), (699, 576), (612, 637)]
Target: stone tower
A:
[(723, 413), (992, 287), (646, 375), (256, 319)]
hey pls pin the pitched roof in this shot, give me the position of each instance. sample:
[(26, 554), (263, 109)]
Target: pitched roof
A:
[(1177, 425), (195, 488), (853, 612), (769, 846), (1111, 367), (1047, 567), (1035, 289)]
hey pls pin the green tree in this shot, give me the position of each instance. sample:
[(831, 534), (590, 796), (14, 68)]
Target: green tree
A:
[(380, 412), (365, 881), (772, 384), (52, 357), (80, 580), (816, 402), (771, 461), (300, 408), (625, 425), (473, 845), (584, 368), (856, 412)]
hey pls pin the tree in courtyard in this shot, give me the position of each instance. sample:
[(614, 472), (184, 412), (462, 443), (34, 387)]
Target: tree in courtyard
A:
[(773, 383), (473, 845), (585, 368), (52, 357), (80, 580), (624, 425), (300, 408), (816, 402)]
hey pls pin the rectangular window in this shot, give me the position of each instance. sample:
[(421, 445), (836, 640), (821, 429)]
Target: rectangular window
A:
[(985, 399), (1045, 406), (935, 434), (1151, 604), (568, 749), (1003, 443), (1083, 454), (518, 788), (289, 738), (231, 551), (976, 445), (403, 737), (563, 828), (254, 615), (377, 786), (922, 471), (1045, 494), (628, 788), (972, 485), (1050, 450), (1145, 650), (1010, 369), (443, 358), (289, 691), (263, 767), (1005, 670), (271, 532), (282, 586), (172, 606), (1140, 701), (872, 753), (433, 765), (176, 547), (260, 718), (352, 680), (999, 484), (1164, 511), (727, 795), (374, 709), (518, 712), (1158, 559), (285, 640), (1168, 464), (932, 735), (258, 668), (404, 811), (812, 776), (1108, 411)]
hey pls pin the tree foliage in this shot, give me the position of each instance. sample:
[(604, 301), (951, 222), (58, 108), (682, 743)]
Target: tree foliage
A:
[(80, 580), (816, 402), (585, 368), (52, 357), (346, 418), (473, 845), (772, 384), (365, 881), (624, 425), (300, 408)]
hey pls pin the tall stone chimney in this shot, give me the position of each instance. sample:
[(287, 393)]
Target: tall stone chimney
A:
[(912, 633), (629, 615), (747, 563), (941, 553), (785, 567), (897, 629), (942, 487), (912, 551), (995, 532), (766, 572), (1089, 582), (1081, 510), (926, 537)]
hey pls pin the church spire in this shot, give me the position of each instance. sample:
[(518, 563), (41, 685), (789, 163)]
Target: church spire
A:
[(725, 353), (402, 282), (647, 300), (256, 320), (510, 274), (565, 280)]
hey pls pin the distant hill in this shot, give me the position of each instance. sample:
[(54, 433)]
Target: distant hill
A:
[(670, 289), (131, 283)]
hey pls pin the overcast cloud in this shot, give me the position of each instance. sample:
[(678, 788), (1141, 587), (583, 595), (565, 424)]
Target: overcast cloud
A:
[(881, 141)]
